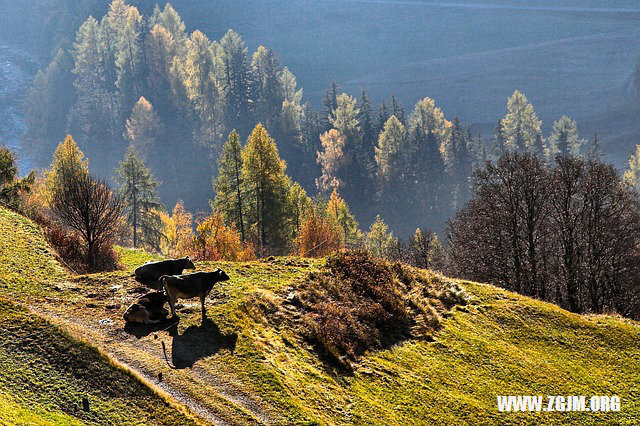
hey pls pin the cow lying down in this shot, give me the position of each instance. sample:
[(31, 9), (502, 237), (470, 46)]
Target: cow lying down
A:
[(198, 284), (152, 271), (148, 309)]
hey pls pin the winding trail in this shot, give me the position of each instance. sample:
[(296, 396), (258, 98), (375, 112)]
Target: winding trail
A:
[(221, 399)]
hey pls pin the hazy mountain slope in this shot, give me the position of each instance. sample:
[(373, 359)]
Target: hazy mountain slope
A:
[(247, 365)]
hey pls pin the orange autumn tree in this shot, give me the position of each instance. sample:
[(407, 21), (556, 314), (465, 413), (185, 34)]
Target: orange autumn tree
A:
[(319, 236), (216, 241)]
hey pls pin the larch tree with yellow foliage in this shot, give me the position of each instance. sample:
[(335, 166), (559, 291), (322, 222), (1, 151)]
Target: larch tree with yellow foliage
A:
[(331, 160), (632, 175), (177, 231), (267, 189), (301, 206), (521, 125), (68, 161), (143, 127), (339, 212)]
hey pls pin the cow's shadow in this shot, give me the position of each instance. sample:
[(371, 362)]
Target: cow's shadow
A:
[(197, 342)]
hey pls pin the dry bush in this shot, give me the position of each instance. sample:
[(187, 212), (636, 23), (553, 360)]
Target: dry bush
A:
[(70, 246), (318, 237), (361, 303)]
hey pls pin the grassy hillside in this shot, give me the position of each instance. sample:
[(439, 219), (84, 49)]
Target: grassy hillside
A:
[(250, 362), (45, 374)]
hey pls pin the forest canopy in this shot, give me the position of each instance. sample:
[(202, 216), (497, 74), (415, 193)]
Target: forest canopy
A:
[(129, 80)]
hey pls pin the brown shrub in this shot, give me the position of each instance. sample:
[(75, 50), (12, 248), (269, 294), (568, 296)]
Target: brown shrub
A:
[(318, 237), (71, 248), (362, 303)]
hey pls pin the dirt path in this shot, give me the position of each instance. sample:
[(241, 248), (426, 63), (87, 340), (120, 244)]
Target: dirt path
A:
[(217, 400)]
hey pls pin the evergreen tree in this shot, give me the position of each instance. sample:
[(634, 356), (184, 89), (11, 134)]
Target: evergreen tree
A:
[(437, 255), (564, 139), (128, 52), (420, 247), (139, 193), (267, 188), (291, 137), (454, 146), (539, 149), (96, 112), (10, 185), (499, 139), (237, 81), (398, 110), (460, 161), (267, 91), (46, 105), (595, 151), (310, 137), (356, 168), (427, 167), (521, 125), (382, 115), (230, 199), (365, 118), (330, 104)]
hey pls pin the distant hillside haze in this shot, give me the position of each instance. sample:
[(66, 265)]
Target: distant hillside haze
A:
[(569, 57)]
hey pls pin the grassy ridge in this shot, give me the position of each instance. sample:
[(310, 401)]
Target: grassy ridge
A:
[(247, 364)]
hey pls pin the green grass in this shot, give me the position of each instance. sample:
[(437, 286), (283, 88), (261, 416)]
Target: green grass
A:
[(131, 258), (48, 373), (249, 364), (27, 264)]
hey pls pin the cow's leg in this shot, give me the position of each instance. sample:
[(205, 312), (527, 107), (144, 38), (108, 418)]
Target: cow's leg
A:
[(172, 299), (204, 311)]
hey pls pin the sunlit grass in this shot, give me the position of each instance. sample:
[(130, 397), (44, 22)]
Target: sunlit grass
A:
[(251, 365)]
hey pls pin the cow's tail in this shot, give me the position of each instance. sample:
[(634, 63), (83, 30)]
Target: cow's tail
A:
[(164, 351)]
